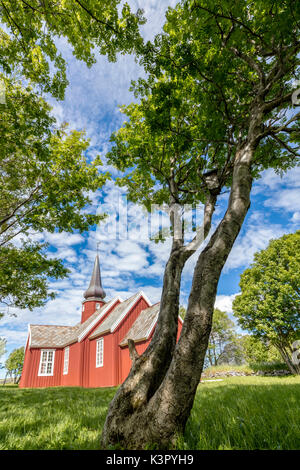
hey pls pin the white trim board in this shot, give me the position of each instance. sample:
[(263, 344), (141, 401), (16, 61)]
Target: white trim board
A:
[(95, 321), (137, 297), (53, 362)]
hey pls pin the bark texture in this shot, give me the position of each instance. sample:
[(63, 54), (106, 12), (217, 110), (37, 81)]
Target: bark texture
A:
[(147, 370)]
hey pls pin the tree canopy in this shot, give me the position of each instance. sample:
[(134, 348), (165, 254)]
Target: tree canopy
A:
[(2, 348), (45, 181), (269, 303), (30, 29), (221, 335), (258, 351)]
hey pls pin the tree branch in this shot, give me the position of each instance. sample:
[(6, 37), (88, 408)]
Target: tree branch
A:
[(97, 19), (132, 350)]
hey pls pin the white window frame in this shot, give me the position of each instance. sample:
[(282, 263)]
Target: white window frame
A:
[(66, 360), (46, 373), (100, 352)]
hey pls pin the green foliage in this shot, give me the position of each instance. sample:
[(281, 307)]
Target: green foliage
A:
[(228, 52), (222, 341), (182, 311), (30, 29), (45, 181), (44, 176), (14, 363), (257, 351), (152, 154), (269, 303), (24, 275), (214, 68)]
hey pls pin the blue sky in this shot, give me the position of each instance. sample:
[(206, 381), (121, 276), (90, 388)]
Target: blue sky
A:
[(135, 263)]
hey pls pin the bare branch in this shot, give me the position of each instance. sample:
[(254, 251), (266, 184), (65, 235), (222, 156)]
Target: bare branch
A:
[(132, 350)]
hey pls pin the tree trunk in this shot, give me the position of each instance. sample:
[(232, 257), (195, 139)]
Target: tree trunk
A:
[(149, 369), (158, 401), (294, 368), (152, 406)]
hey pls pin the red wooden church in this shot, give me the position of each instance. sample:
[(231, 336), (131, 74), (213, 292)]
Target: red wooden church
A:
[(93, 353)]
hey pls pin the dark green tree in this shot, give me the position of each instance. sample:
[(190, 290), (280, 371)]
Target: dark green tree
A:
[(269, 303)]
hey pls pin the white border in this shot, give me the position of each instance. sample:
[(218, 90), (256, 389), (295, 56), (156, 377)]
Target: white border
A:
[(95, 321), (126, 311), (39, 372), (29, 336)]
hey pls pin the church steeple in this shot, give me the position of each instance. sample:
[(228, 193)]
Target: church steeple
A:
[(94, 295), (95, 289)]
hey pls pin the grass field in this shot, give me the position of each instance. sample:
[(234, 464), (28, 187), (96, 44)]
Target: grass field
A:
[(235, 413)]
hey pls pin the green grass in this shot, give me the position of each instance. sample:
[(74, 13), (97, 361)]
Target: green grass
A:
[(236, 413), (52, 418), (246, 413)]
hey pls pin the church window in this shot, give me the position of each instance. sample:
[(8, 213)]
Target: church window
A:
[(46, 362), (99, 353), (66, 361)]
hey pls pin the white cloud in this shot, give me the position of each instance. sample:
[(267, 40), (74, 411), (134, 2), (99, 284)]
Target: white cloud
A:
[(296, 217), (256, 237), (224, 302), (286, 200), (271, 180), (283, 191)]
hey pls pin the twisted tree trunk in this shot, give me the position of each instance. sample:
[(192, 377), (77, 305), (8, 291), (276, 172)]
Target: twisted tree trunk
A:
[(149, 369), (154, 403)]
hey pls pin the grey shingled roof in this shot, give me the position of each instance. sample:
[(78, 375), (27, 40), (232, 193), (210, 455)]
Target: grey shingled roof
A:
[(53, 336), (114, 316), (143, 325)]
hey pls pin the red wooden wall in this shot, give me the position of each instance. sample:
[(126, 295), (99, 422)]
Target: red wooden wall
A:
[(110, 374), (125, 360), (30, 377)]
